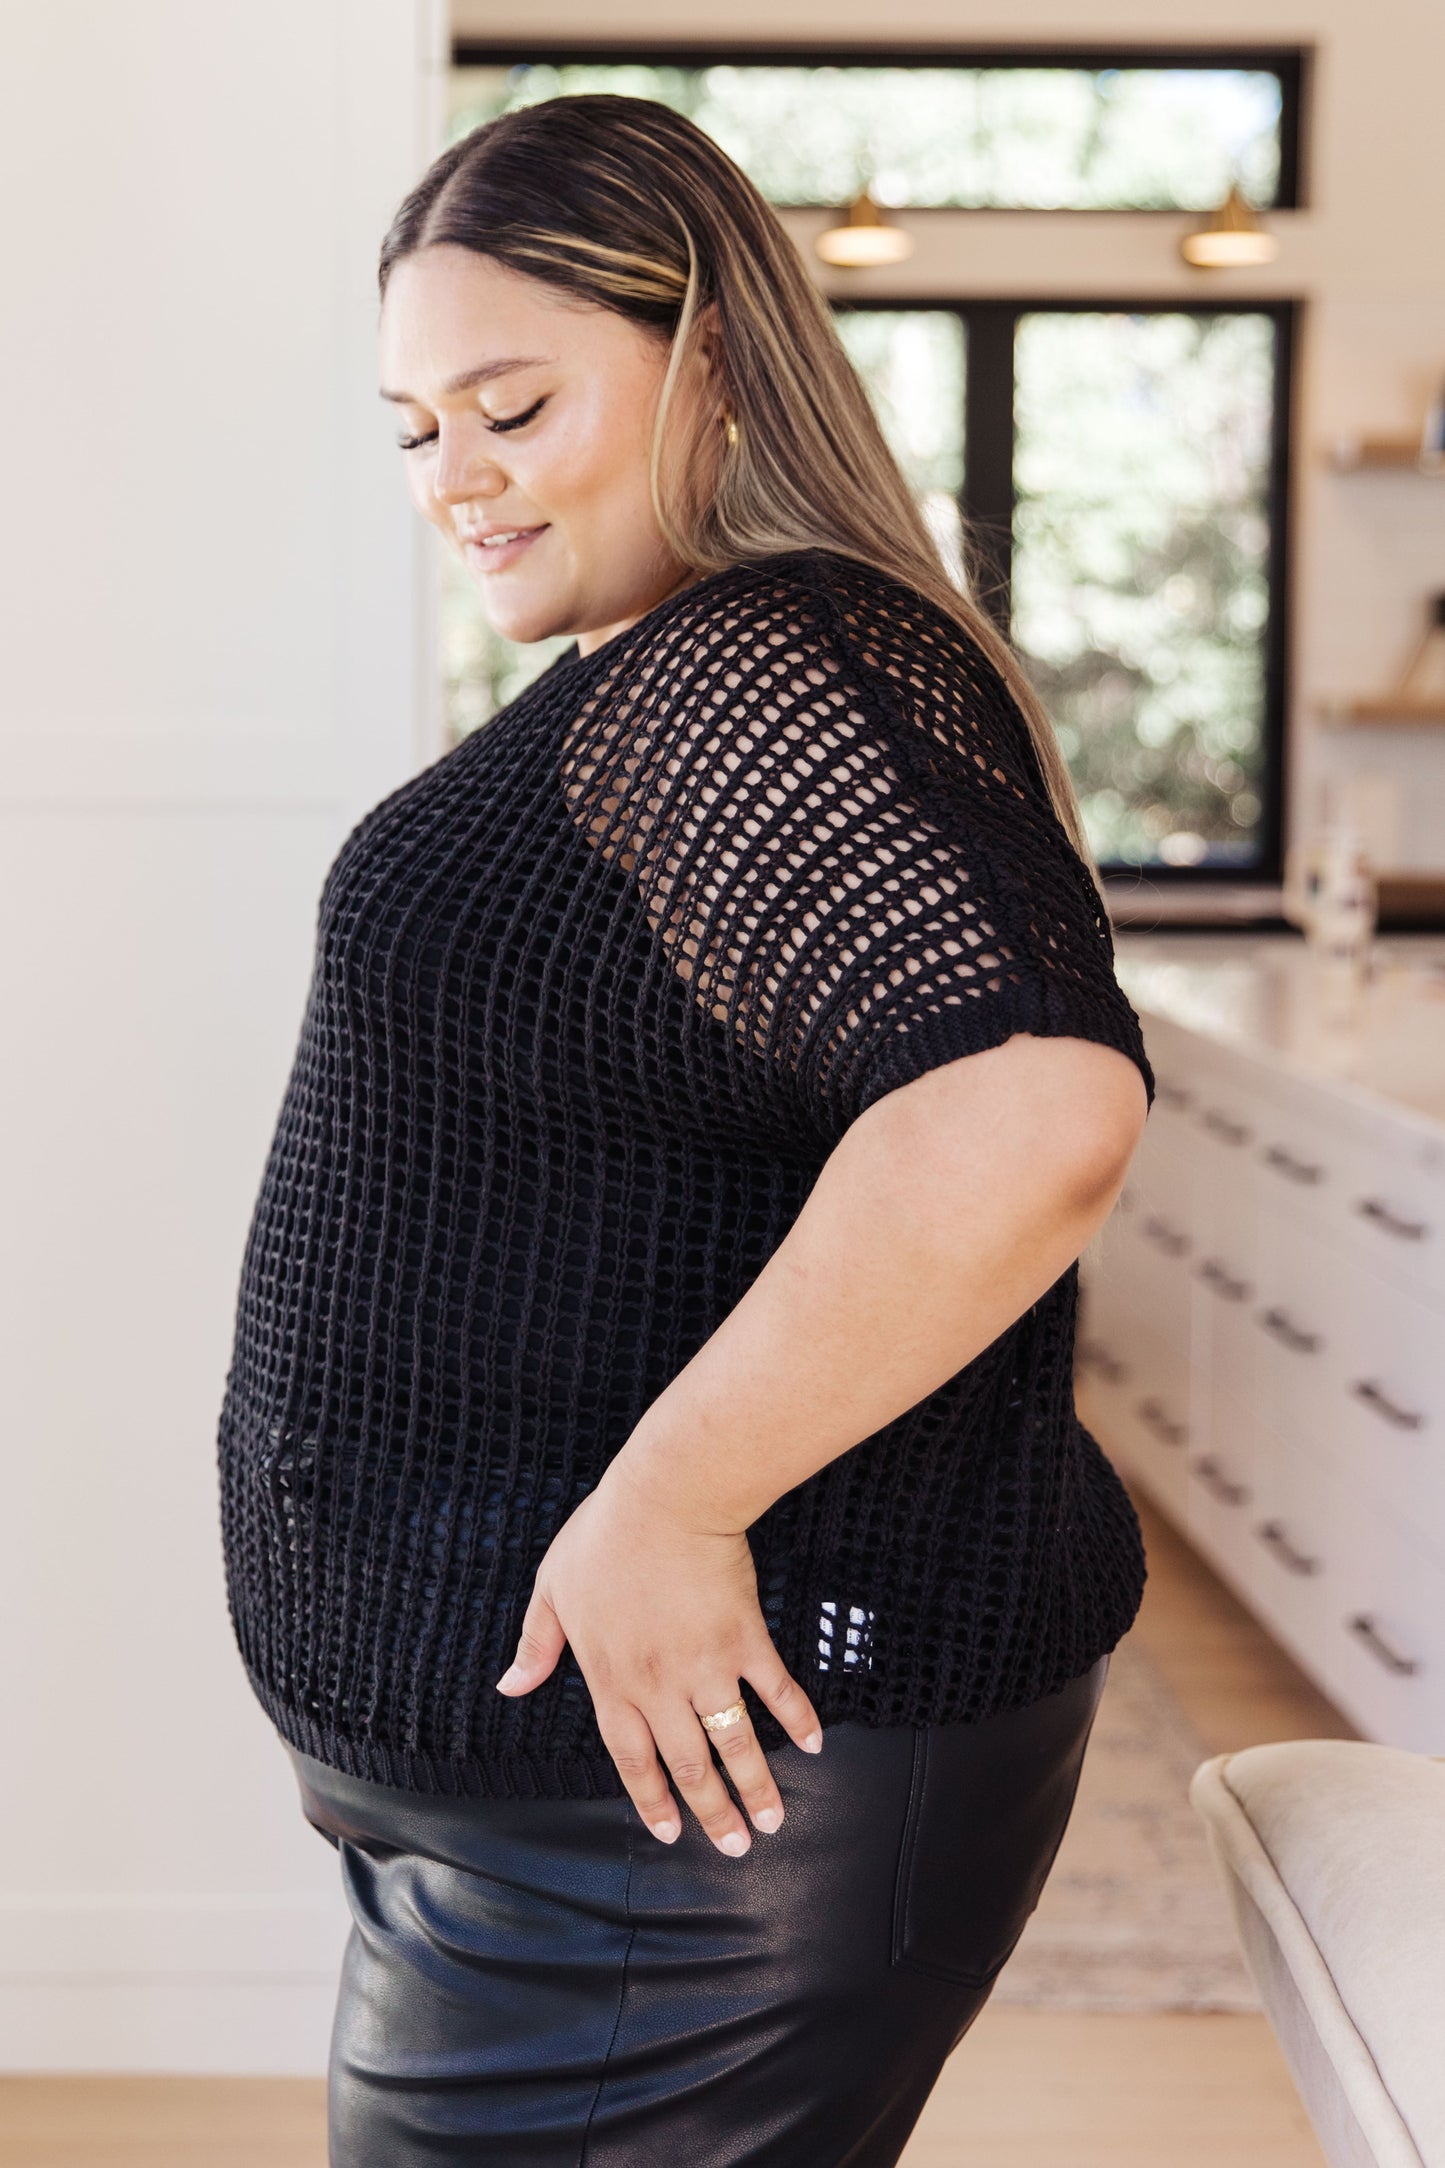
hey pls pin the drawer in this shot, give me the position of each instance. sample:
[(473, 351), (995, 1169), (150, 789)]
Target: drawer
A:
[(1225, 1114), (1387, 1431), (1349, 1592), (1298, 1542), (1223, 1194), (1221, 1482), (1104, 1349), (1382, 1655), (1224, 1332), (1302, 1158), (1112, 1289), (1392, 1203), (1300, 1317), (1116, 1343), (1219, 1210), (1138, 1426), (1139, 1380), (1167, 1139), (1165, 1293), (1135, 1386), (1156, 1449), (1161, 1177), (1136, 1272)]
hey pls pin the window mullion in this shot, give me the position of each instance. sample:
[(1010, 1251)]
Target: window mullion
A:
[(988, 454)]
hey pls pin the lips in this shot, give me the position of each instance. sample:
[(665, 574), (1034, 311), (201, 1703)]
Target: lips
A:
[(489, 550)]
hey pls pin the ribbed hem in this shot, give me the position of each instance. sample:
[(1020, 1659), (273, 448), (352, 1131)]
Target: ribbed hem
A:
[(513, 1774), (508, 1775)]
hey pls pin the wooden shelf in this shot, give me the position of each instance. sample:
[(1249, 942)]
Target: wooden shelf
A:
[(1398, 455), (1407, 898), (1400, 709)]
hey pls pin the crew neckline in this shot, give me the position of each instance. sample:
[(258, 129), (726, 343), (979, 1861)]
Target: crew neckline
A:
[(572, 658)]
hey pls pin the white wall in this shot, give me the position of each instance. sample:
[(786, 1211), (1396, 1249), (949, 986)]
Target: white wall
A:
[(1366, 256), (211, 666)]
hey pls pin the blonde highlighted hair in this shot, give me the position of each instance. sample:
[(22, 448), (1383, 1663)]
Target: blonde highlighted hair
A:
[(630, 206)]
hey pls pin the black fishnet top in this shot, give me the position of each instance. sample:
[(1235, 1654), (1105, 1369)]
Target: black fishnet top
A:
[(595, 995)]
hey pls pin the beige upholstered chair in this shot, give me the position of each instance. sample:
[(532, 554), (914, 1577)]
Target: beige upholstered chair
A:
[(1333, 1854)]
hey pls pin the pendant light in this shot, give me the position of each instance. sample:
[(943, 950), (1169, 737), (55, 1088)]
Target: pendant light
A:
[(867, 236), (1231, 237)]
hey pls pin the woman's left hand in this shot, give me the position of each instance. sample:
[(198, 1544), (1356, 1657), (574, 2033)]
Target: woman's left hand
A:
[(664, 1623)]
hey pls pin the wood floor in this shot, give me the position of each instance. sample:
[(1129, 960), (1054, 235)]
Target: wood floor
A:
[(1047, 2090), (1024, 2090), (1237, 1686)]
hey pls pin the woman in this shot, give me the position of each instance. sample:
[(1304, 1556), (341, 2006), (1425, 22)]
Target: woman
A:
[(655, 1335)]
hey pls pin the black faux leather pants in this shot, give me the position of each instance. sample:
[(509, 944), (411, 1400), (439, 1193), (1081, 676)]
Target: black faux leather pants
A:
[(545, 1982)]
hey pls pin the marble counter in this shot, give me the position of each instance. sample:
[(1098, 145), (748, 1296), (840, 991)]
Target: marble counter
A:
[(1261, 994)]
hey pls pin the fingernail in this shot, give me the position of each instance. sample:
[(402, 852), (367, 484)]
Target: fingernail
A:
[(734, 1844), (813, 1744), (509, 1677), (668, 1831), (768, 1818)]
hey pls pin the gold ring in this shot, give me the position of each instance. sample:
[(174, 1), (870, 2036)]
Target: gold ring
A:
[(721, 1719)]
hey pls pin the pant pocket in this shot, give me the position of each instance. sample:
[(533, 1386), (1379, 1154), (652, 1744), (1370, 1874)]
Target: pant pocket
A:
[(987, 1808)]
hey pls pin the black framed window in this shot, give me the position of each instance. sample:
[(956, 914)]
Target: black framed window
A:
[(1057, 128), (1121, 465), (1147, 571), (1124, 478)]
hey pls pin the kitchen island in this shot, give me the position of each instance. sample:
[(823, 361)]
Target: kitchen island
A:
[(1260, 1342)]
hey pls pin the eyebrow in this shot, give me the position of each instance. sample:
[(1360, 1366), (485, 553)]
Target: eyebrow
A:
[(470, 378)]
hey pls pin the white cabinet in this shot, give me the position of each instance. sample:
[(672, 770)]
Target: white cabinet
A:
[(1262, 1335)]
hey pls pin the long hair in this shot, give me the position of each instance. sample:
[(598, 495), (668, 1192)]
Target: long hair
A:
[(626, 204)]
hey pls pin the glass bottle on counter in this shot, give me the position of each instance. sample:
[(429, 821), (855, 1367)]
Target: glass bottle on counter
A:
[(1341, 921)]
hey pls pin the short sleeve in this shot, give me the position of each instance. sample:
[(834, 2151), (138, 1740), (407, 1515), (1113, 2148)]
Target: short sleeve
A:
[(832, 808)]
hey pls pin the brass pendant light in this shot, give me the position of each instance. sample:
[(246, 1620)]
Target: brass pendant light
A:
[(867, 236), (1231, 238)]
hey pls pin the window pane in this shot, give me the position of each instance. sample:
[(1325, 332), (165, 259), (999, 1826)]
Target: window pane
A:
[(1140, 591), (912, 361), (1034, 138)]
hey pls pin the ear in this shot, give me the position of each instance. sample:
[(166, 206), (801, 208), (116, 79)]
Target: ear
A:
[(707, 330), (711, 356)]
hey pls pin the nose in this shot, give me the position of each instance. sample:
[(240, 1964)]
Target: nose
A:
[(463, 469)]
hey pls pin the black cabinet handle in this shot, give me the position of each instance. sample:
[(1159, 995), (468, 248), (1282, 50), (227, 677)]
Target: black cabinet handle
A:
[(1165, 1427), (1093, 1355), (1172, 1094), (1293, 1336), (1379, 1214), (1272, 1535), (1165, 1237), (1214, 1275), (1225, 1127), (1364, 1629), (1378, 1401), (1214, 1479), (1306, 1171)]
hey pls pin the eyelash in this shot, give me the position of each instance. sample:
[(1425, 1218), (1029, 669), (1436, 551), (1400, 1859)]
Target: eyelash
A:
[(513, 421)]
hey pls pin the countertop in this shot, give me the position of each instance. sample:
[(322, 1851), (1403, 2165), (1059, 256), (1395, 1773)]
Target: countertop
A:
[(1262, 994)]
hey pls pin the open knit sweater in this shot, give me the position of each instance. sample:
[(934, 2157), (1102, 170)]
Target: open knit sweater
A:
[(595, 996)]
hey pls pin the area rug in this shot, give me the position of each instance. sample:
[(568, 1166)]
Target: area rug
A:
[(1133, 1916)]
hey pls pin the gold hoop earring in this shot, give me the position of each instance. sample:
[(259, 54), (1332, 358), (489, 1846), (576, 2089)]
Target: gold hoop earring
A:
[(731, 429)]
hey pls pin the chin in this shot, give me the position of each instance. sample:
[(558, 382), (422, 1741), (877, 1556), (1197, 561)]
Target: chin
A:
[(521, 621), (523, 616), (522, 631)]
